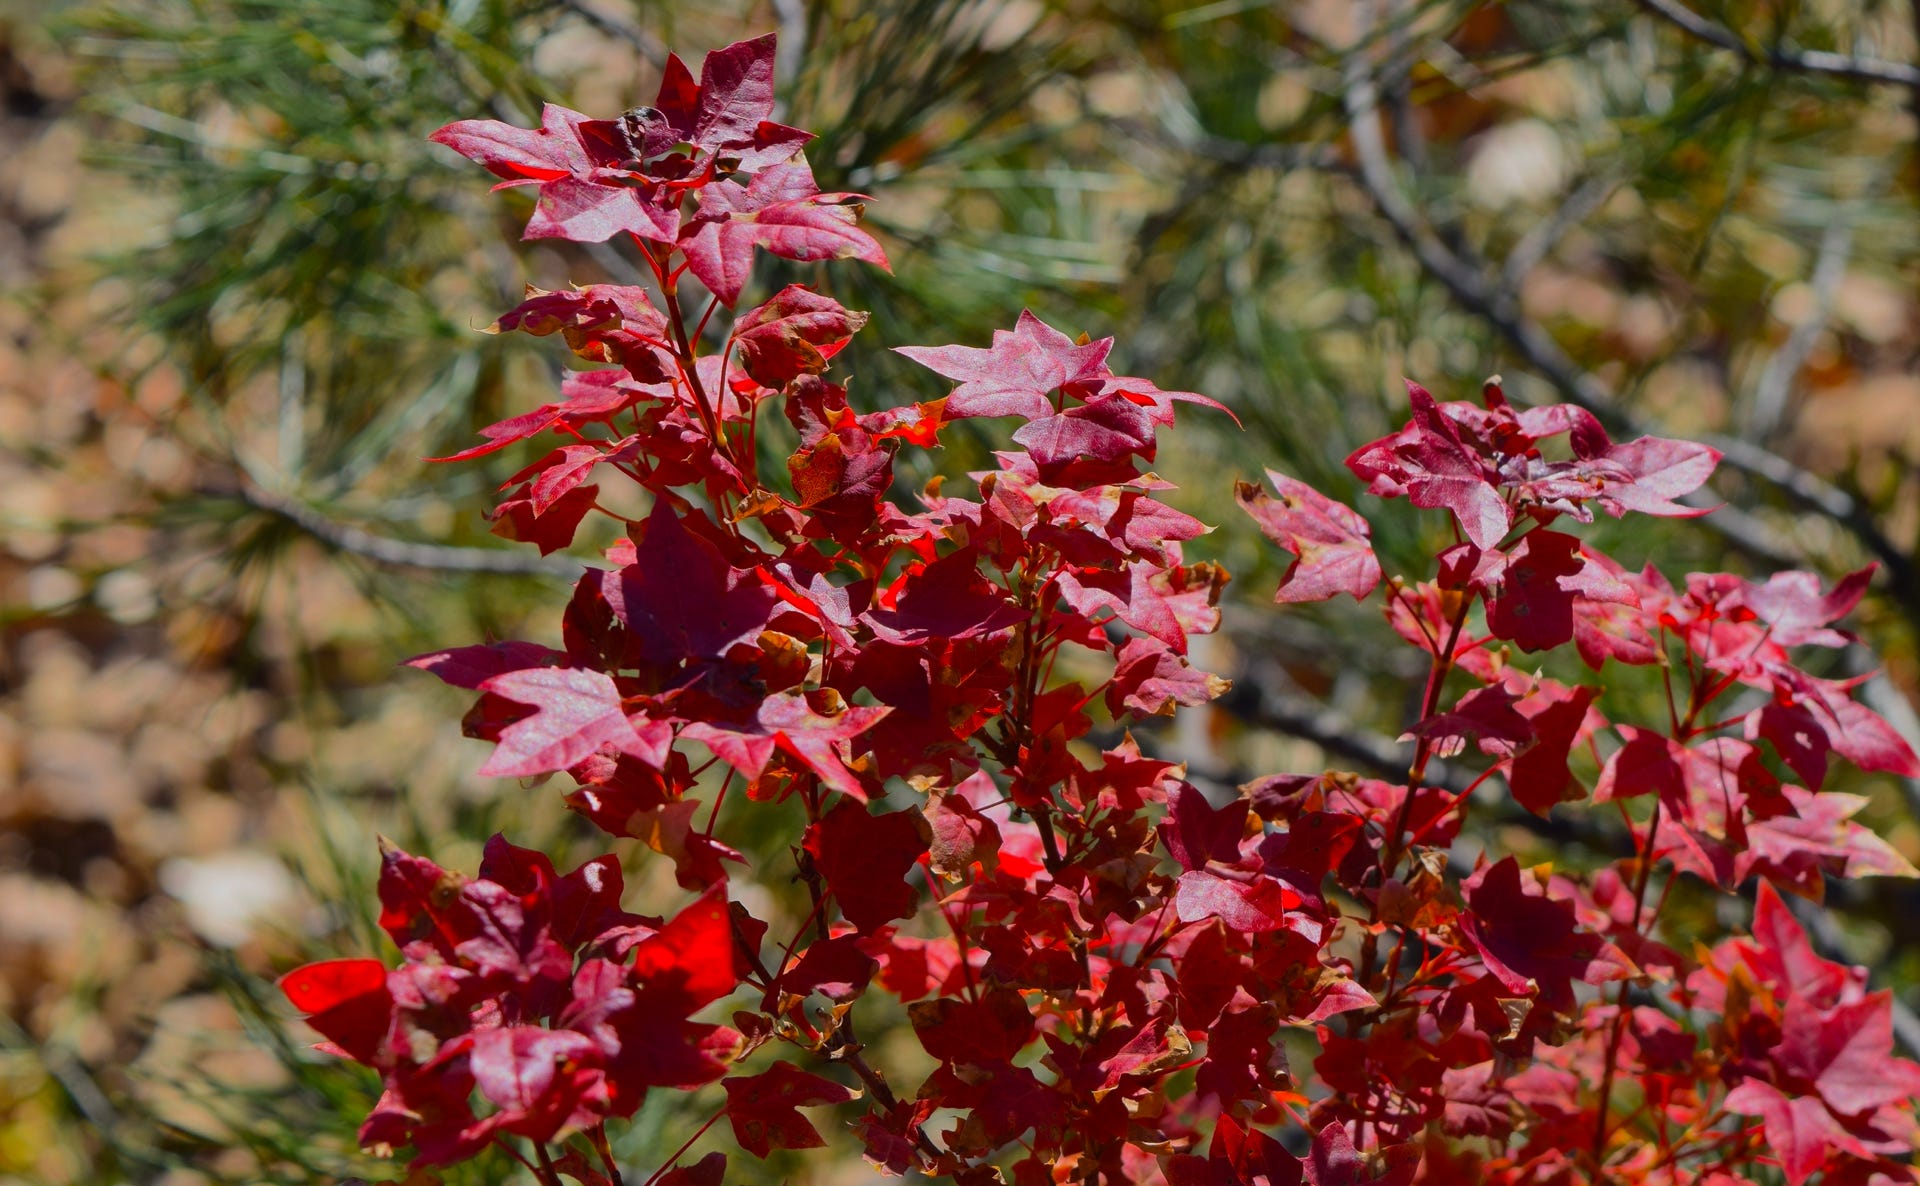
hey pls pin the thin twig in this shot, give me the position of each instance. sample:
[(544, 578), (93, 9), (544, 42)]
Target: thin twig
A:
[(404, 553), (1804, 61)]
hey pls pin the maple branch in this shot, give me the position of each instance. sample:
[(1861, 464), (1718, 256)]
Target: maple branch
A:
[(547, 1172), (597, 1137), (1469, 284), (848, 1052), (1805, 61), (667, 1166), (1642, 875), (403, 553)]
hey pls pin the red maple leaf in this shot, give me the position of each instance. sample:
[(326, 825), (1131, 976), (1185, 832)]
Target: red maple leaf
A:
[(1530, 940), (1331, 544), (781, 210), (1539, 775), (1430, 463), (1015, 375), (1150, 679), (347, 1001), (724, 116), (790, 723), (614, 323), (577, 712), (764, 1108), (680, 599), (1798, 614), (587, 191), (866, 858), (794, 332)]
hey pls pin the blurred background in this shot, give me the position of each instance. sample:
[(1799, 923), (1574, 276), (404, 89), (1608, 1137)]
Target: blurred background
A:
[(240, 296)]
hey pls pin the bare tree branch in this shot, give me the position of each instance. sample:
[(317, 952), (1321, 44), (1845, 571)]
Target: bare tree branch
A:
[(405, 553), (1804, 61)]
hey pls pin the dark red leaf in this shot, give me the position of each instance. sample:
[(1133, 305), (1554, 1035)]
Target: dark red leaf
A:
[(866, 858), (764, 1108)]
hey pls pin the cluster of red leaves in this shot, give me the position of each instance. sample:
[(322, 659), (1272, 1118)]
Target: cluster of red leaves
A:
[(1113, 976)]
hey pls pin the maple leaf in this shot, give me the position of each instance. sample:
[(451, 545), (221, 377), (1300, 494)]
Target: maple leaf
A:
[(946, 599), (961, 835), (1797, 614), (788, 722), (1809, 716), (1150, 679), (836, 968), (1333, 1161), (614, 323), (1331, 544), (725, 115), (577, 712), (990, 1028), (690, 961), (535, 1077), (551, 527), (469, 667), (1086, 439), (794, 332), (866, 858), (1015, 375), (591, 396), (346, 1001), (764, 1108), (1820, 838), (582, 908), (1844, 1053), (1539, 775), (1432, 465), (1530, 940), (1799, 1130), (586, 193), (1657, 472), (1781, 953), (1248, 903), (1538, 580), (1196, 832), (780, 210), (1486, 714), (680, 599)]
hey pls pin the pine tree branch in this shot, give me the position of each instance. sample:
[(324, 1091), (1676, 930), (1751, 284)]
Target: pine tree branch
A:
[(1803, 61), (404, 553), (1469, 284), (650, 47)]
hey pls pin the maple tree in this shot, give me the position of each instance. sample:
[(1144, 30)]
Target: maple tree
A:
[(1113, 976)]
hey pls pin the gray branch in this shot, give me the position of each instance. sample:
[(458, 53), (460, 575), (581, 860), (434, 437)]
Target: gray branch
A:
[(1804, 61)]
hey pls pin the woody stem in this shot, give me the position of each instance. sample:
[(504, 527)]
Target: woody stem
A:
[(1618, 1033)]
